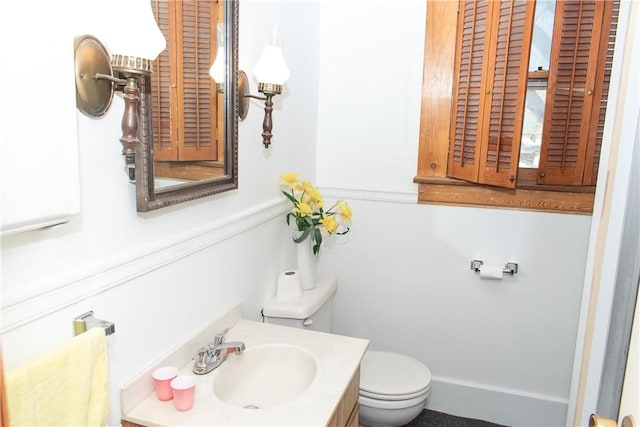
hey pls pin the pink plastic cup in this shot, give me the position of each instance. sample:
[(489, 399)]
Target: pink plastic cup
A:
[(162, 379), (184, 390)]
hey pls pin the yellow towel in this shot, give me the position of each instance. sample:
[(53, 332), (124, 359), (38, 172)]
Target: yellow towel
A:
[(66, 387)]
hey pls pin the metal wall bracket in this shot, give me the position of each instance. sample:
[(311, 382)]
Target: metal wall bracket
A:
[(86, 321), (475, 265), (510, 268)]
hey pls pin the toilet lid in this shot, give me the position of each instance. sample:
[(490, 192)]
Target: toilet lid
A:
[(391, 376)]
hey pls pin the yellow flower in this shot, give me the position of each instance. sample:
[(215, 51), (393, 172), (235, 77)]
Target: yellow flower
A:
[(303, 209), (315, 196), (308, 214), (289, 179), (311, 194), (345, 210), (306, 186), (329, 223)]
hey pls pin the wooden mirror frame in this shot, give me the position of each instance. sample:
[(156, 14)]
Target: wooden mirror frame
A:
[(147, 197)]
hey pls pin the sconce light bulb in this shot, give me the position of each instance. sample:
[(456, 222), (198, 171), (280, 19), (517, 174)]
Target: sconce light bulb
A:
[(271, 67), (275, 39), (220, 35), (217, 69), (143, 40)]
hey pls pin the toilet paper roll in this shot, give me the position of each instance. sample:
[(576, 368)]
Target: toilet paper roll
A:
[(288, 285), (490, 272)]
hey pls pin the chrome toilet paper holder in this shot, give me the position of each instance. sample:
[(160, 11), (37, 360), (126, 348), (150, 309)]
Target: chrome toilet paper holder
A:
[(509, 267)]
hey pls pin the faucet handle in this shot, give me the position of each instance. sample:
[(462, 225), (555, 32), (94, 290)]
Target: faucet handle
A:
[(200, 358), (219, 338)]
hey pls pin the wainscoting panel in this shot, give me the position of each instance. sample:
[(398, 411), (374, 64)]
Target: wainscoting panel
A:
[(18, 310)]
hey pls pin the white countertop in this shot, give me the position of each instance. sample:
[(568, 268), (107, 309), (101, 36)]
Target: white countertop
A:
[(337, 358)]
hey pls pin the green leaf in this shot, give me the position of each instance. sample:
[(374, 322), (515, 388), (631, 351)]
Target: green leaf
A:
[(343, 232), (317, 238), (290, 197), (303, 236)]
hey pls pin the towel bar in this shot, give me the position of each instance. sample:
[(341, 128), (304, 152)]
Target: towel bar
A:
[(86, 321)]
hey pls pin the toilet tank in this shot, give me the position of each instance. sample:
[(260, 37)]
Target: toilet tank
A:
[(312, 310)]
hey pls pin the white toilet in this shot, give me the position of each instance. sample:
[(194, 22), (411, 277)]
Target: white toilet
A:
[(394, 388)]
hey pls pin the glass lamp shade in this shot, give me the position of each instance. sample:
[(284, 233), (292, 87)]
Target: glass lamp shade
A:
[(137, 34), (271, 67), (217, 70)]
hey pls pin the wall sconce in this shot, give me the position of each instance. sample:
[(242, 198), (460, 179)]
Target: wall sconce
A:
[(98, 74), (271, 72)]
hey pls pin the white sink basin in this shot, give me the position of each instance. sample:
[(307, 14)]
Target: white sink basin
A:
[(264, 376)]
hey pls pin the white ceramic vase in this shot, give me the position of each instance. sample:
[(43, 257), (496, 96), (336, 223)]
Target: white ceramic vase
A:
[(307, 264)]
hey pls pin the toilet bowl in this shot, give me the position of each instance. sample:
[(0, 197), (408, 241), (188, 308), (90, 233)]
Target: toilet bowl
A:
[(394, 389)]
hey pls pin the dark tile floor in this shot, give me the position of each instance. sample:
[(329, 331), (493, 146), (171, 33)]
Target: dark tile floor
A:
[(429, 418)]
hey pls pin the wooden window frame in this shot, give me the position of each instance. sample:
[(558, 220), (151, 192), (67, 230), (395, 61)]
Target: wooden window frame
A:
[(433, 161)]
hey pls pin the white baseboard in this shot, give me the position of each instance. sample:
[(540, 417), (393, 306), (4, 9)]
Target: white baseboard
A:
[(498, 405)]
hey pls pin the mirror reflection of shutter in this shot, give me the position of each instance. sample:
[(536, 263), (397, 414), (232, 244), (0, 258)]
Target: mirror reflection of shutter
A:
[(572, 91), (197, 93), (467, 89), (219, 100), (508, 62), (165, 147)]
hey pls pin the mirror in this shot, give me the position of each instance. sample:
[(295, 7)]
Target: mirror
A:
[(189, 149)]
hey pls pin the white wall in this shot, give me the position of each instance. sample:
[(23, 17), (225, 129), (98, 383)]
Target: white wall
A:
[(498, 350), (501, 351), (162, 274), (370, 93)]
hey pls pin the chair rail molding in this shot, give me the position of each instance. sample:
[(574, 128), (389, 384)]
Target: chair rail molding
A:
[(21, 308)]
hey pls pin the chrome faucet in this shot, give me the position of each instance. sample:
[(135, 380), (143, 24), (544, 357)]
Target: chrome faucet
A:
[(214, 354)]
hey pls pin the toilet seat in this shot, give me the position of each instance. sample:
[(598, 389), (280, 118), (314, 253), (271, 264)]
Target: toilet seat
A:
[(394, 397), (392, 404), (393, 377)]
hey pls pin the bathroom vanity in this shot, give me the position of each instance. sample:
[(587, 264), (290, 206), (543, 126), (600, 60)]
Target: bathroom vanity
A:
[(286, 376)]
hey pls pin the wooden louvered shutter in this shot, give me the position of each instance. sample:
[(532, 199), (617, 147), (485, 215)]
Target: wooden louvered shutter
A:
[(494, 40), (575, 92), (197, 94), (598, 115), (467, 89), (165, 144), (184, 97), (508, 64)]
